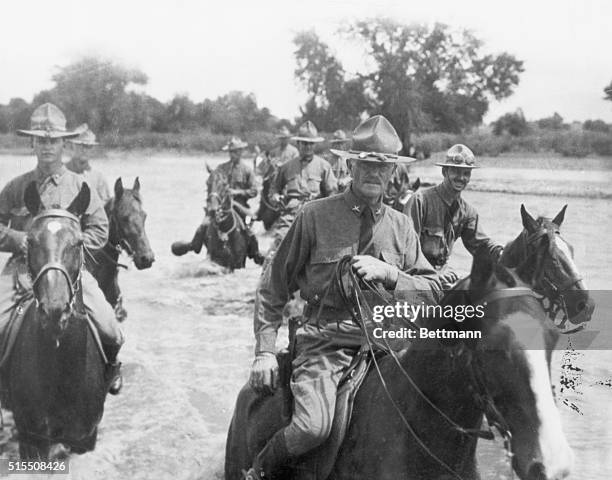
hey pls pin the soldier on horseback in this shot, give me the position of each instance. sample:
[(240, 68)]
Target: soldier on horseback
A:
[(241, 182), (441, 216), (57, 186), (386, 250), (301, 179), (83, 148)]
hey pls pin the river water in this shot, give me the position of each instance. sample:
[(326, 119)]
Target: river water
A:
[(190, 342)]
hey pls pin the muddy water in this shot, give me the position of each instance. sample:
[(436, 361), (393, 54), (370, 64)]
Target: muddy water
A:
[(190, 339)]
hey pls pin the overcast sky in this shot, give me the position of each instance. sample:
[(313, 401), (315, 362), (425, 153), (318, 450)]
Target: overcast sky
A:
[(207, 48)]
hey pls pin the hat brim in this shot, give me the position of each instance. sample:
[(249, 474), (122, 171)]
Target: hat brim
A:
[(469, 167), (227, 148), (46, 134), (371, 158), (308, 139), (337, 140), (87, 144)]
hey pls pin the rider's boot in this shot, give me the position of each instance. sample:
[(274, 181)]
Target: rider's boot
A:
[(181, 248), (272, 460), (113, 369)]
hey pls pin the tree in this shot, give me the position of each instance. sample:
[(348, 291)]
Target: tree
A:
[(429, 78), (15, 115), (93, 90), (334, 101), (235, 113), (596, 126), (512, 123), (551, 123), (608, 92)]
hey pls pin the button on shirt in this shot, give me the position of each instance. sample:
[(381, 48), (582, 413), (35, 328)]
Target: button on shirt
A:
[(56, 191), (439, 223), (305, 180), (323, 232), (240, 177)]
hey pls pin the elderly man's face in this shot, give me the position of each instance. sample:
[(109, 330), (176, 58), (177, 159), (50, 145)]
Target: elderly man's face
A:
[(283, 142), (306, 150), (81, 157), (456, 178), (235, 154), (370, 179), (48, 150)]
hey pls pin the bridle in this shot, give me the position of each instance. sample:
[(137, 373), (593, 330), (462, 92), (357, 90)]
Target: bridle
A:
[(542, 283), (47, 267), (355, 303)]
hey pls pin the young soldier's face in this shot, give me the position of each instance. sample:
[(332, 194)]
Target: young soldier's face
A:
[(48, 150), (457, 178), (235, 154), (306, 150)]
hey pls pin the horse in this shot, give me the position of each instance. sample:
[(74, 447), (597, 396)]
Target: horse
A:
[(398, 193), (56, 374), (226, 237), (545, 260), (268, 212), (427, 427), (126, 233)]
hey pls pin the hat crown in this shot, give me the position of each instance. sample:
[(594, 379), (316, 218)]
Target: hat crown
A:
[(459, 154), (339, 135), (376, 135), (308, 130), (49, 118), (235, 143), (86, 136), (283, 132)]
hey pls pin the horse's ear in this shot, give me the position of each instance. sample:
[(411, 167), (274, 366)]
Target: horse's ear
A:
[(529, 222), (81, 201), (118, 189), (31, 198), (136, 186), (558, 220), (208, 169), (417, 184)]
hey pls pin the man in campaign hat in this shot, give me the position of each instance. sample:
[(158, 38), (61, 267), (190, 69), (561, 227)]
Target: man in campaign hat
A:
[(241, 181), (301, 179), (441, 215), (339, 142), (83, 148), (284, 151), (57, 186), (384, 248)]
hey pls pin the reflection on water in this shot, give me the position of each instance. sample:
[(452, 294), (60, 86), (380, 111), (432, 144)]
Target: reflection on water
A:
[(190, 342)]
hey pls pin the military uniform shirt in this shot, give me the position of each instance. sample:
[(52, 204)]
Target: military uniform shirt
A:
[(323, 232), (281, 156), (305, 180), (240, 177), (430, 211), (56, 191)]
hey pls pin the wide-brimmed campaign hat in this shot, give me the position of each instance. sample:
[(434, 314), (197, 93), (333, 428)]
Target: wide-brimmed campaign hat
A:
[(234, 144), (375, 140), (283, 132), (47, 121), (86, 136), (339, 137), (459, 156), (308, 133)]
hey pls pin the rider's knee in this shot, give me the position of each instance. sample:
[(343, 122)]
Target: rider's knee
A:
[(304, 436)]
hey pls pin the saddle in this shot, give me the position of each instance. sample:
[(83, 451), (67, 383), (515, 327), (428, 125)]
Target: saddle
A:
[(318, 464)]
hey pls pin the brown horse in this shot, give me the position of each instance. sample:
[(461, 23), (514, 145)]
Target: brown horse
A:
[(545, 260), (56, 373), (268, 212), (127, 233)]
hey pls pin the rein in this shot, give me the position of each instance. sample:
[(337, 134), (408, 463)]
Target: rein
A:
[(481, 396)]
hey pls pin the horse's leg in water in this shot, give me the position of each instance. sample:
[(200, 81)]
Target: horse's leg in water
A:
[(199, 238), (29, 451)]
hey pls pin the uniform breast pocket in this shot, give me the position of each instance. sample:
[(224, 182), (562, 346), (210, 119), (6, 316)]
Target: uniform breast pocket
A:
[(314, 184), (432, 242), (392, 258)]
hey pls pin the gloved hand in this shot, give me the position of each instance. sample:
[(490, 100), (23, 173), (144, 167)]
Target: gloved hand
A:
[(374, 270), (448, 277), (264, 373), (275, 198)]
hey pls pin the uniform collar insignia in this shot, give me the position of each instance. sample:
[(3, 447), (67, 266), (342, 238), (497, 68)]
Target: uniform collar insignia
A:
[(356, 209)]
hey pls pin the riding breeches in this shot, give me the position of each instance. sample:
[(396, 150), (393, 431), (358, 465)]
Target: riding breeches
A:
[(322, 355), (96, 306)]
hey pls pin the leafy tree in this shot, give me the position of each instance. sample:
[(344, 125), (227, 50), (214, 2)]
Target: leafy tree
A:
[(513, 123), (334, 101), (608, 92), (551, 123), (235, 113), (428, 78), (15, 115), (596, 126)]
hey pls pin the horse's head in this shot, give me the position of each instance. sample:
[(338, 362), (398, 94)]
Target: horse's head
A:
[(510, 371), (127, 224), (55, 257), (219, 197), (400, 191), (544, 260)]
